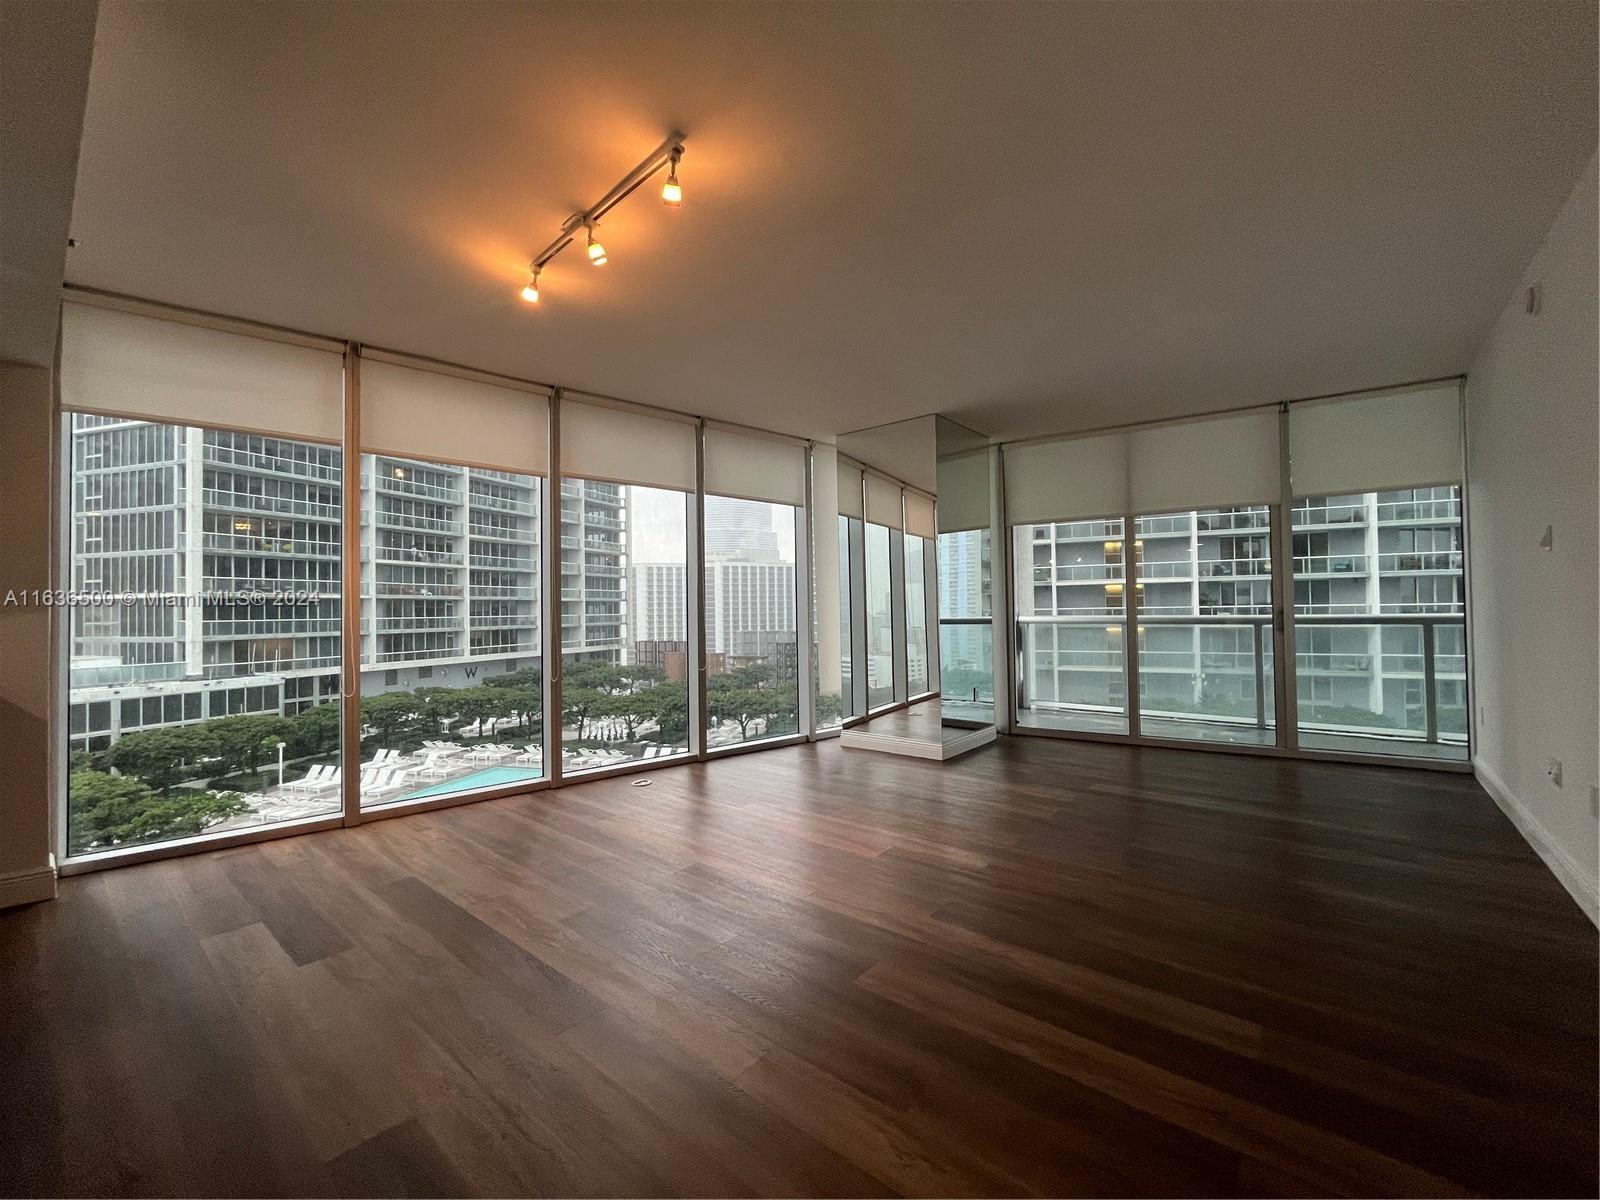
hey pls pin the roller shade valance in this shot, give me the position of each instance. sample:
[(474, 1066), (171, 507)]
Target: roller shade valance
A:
[(422, 413), (1066, 480), (883, 502), (850, 502), (1208, 463), (964, 492), (919, 515), (753, 467), (1376, 442), (1212, 462), (623, 445), (127, 364)]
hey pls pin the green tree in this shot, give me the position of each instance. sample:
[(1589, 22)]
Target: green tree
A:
[(580, 705), (525, 679), (397, 717), (110, 810), (314, 731), (669, 708), (244, 741), (158, 756)]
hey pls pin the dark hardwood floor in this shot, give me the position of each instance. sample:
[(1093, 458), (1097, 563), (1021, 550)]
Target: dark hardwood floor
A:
[(1045, 968)]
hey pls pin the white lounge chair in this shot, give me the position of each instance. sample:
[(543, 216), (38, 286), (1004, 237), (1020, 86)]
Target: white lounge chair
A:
[(435, 766), (442, 748), (315, 780), (383, 782), (531, 754)]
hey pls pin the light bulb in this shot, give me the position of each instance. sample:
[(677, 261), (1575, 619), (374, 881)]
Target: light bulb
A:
[(530, 293), (597, 252), (672, 191)]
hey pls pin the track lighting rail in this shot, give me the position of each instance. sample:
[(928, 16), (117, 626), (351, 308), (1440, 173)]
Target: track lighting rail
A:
[(665, 155)]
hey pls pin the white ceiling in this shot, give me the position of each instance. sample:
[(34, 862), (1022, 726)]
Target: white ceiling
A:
[(1032, 217)]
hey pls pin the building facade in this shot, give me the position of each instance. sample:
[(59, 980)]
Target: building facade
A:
[(450, 574)]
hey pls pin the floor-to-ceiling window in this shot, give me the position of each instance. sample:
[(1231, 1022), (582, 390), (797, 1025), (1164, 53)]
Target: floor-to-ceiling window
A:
[(451, 696), (1379, 574), (966, 634), (626, 661), (204, 641), (755, 491), (752, 660), (628, 634), (917, 654), (1071, 625), (1204, 596), (880, 618)]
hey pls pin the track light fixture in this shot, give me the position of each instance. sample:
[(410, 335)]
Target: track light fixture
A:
[(671, 190), (667, 155)]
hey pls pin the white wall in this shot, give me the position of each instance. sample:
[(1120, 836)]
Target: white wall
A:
[(1532, 397)]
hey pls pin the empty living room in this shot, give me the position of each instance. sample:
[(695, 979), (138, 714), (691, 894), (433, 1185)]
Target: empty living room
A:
[(816, 598)]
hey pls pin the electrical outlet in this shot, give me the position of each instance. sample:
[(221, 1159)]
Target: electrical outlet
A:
[(1554, 771)]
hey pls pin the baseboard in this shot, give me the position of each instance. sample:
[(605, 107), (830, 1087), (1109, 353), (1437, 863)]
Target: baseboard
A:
[(1582, 888), (28, 887)]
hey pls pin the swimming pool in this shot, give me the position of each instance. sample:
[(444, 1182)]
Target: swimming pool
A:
[(487, 778)]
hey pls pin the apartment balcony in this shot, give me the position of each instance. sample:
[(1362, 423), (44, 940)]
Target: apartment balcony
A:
[(1328, 516), (597, 520), (414, 523), (422, 591), (271, 464), (244, 627), (1326, 566), (496, 562), (1235, 568), (244, 502), (501, 533), (387, 482), (1432, 562), (1168, 570), (1175, 525), (444, 623), (504, 621), (398, 556), (1076, 531), (523, 508), (599, 571), (503, 591), (234, 585), (1419, 512), (1078, 573), (254, 543), (1227, 522)]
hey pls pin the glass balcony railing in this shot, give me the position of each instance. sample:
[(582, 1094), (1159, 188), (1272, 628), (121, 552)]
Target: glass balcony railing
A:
[(1366, 684)]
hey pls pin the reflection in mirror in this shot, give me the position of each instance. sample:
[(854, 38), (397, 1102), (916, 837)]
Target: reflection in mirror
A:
[(966, 634)]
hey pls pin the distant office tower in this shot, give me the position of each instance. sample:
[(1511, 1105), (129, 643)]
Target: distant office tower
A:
[(737, 529)]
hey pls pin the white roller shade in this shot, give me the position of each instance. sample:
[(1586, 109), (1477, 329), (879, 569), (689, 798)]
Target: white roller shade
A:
[(126, 364), (1066, 480), (883, 502), (753, 467), (919, 515), (1207, 463), (1376, 442), (964, 492), (622, 445), (850, 490), (419, 413)]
